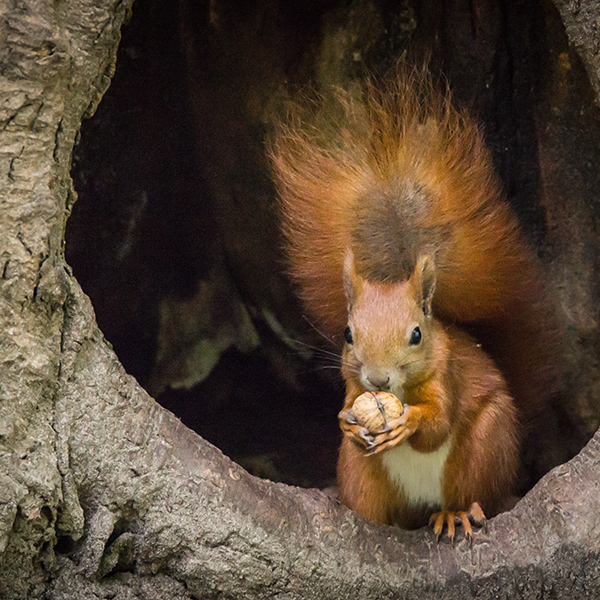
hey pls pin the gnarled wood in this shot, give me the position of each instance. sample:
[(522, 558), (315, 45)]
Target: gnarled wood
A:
[(103, 492)]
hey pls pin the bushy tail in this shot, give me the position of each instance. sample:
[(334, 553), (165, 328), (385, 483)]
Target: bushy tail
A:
[(392, 171)]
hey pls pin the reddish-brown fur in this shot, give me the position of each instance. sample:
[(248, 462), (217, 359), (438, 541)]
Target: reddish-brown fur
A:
[(455, 393), (465, 398), (393, 174)]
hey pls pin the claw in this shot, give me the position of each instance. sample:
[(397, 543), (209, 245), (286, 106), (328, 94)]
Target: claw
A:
[(346, 418), (463, 519), (366, 436), (451, 526), (437, 521)]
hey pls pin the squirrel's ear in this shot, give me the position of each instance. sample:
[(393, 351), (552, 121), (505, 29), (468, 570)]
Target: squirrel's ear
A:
[(352, 281), (424, 282)]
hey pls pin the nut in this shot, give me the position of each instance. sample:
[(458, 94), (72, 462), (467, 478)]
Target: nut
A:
[(374, 409)]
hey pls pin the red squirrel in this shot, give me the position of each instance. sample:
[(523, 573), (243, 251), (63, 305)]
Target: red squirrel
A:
[(400, 240), (454, 450)]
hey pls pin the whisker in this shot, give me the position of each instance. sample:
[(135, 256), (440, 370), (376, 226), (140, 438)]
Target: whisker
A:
[(323, 367), (315, 348), (323, 335)]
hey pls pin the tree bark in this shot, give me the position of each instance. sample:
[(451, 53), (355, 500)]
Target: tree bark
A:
[(105, 494), (582, 23)]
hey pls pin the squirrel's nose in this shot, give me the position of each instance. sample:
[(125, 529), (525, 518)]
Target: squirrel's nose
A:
[(379, 380)]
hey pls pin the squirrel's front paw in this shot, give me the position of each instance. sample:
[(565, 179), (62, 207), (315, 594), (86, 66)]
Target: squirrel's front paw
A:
[(368, 416), (357, 433), (397, 431)]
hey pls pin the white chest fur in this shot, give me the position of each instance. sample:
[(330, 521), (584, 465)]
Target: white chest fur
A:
[(417, 474)]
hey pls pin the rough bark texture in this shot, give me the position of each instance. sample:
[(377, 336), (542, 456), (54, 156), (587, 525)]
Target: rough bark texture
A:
[(103, 493), (582, 23), (56, 61)]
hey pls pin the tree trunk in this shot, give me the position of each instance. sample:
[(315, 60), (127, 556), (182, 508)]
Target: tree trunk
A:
[(106, 494)]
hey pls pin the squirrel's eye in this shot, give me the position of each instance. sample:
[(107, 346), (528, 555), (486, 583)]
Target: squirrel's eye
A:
[(348, 335), (415, 337)]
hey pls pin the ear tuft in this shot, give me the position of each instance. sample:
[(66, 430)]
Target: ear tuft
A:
[(424, 278)]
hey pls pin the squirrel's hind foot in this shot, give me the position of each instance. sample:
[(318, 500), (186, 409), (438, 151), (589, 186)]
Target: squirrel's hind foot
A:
[(450, 518)]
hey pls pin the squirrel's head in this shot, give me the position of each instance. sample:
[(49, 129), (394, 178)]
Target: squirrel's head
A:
[(390, 336)]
